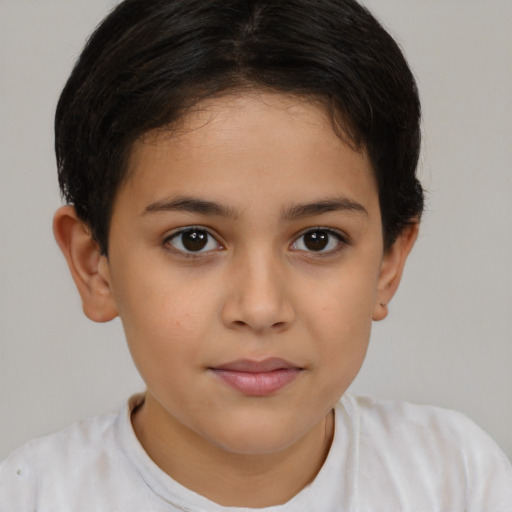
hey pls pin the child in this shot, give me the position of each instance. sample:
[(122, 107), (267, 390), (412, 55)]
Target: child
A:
[(240, 179)]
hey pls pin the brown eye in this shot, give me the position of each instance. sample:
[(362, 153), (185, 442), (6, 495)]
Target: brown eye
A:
[(193, 241), (318, 240)]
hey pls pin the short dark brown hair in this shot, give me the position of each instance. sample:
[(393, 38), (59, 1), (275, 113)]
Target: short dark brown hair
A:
[(149, 62)]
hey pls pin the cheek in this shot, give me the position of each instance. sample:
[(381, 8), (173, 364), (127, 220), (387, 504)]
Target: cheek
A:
[(342, 303), (340, 320), (344, 332), (164, 319), (342, 345)]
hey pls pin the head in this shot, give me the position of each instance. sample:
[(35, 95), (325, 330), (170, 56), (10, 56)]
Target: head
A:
[(149, 63), (241, 180)]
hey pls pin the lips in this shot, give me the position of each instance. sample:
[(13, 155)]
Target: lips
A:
[(257, 378)]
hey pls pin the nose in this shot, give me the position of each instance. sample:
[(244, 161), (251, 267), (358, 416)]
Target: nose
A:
[(258, 298)]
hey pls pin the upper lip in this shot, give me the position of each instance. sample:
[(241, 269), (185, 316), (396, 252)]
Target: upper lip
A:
[(251, 366)]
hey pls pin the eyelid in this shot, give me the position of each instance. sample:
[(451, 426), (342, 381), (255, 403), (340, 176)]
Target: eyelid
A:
[(343, 240), (190, 254)]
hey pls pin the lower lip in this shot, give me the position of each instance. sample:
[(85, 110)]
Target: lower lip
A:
[(258, 383)]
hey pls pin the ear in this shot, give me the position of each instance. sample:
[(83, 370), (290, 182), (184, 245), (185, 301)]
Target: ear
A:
[(392, 266), (88, 267)]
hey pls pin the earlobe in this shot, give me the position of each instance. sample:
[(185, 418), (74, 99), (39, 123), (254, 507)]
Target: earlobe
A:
[(392, 267), (88, 267)]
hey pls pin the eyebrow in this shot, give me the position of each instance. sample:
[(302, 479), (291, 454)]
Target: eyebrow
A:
[(206, 207), (323, 206), (192, 205)]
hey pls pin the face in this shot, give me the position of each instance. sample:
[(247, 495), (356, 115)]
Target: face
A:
[(245, 261)]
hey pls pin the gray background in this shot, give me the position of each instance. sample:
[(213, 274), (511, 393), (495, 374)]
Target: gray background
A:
[(448, 339)]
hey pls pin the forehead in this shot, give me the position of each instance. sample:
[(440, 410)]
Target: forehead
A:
[(259, 140), (242, 117)]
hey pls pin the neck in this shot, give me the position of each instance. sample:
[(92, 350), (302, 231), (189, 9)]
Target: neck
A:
[(228, 478)]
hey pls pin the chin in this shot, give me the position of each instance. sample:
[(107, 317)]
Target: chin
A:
[(254, 443), (257, 435)]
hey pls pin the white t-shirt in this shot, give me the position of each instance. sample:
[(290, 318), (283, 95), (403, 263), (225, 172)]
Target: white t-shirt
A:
[(386, 456)]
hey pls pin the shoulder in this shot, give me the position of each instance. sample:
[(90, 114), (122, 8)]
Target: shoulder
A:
[(84, 432), (41, 466), (430, 451), (404, 420)]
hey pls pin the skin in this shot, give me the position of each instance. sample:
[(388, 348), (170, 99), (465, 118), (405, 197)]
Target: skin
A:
[(256, 290)]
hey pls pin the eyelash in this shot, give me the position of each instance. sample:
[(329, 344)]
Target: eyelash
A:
[(341, 242), (190, 254)]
